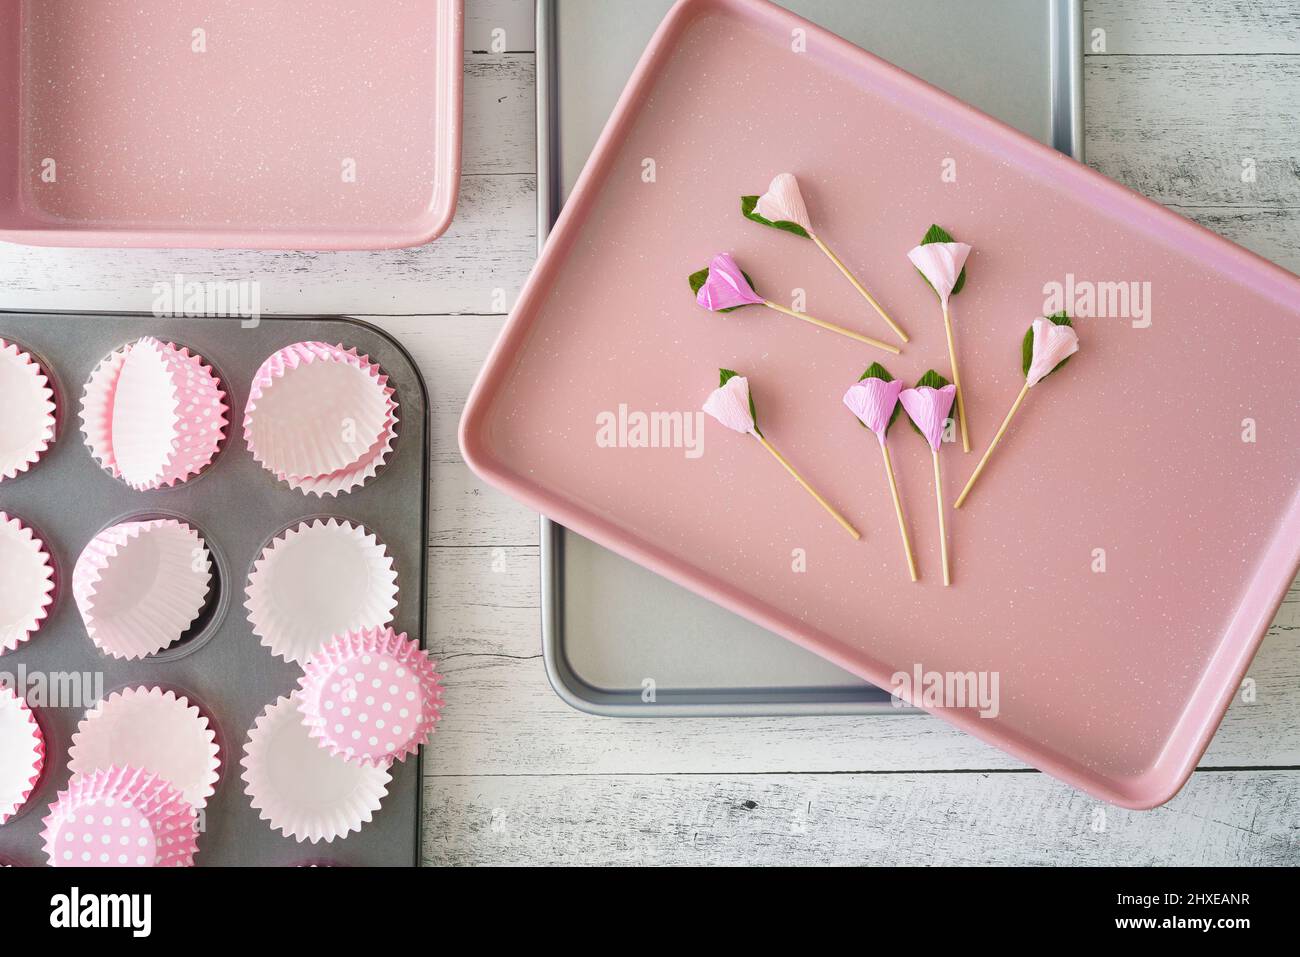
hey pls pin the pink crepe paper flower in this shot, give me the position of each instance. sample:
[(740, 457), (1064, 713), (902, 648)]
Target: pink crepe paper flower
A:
[(941, 265), (1053, 344), (929, 409), (726, 286), (873, 401), (730, 405), (783, 203)]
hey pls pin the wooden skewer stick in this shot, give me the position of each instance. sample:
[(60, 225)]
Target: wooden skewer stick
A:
[(943, 525), (858, 286), (898, 510), (956, 380), (808, 488), (832, 327), (992, 445)]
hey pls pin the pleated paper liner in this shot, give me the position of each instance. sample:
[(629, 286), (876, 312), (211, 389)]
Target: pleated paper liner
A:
[(153, 415), (371, 697), (28, 422), (301, 789), (316, 580), (152, 729), (320, 417), (140, 585), (120, 817), (26, 582), (22, 753)]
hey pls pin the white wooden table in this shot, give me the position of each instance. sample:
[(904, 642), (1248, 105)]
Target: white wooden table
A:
[(1183, 93)]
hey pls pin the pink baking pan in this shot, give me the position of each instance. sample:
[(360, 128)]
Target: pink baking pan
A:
[(1128, 545), (299, 124)]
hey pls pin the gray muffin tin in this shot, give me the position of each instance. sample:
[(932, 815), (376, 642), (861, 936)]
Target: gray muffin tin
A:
[(238, 507)]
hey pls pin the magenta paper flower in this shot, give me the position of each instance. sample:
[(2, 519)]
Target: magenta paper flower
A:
[(941, 265), (873, 402), (731, 404), (783, 203), (726, 287), (929, 409), (1053, 344)]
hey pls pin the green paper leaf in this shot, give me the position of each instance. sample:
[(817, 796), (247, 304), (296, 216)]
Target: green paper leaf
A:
[(725, 376), (933, 380), (698, 279), (877, 371), (1027, 345), (747, 207), (937, 234)]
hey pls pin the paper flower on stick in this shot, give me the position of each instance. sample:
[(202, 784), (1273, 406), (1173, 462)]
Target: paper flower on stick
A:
[(1047, 346), (782, 207), (723, 286), (874, 400), (928, 406), (942, 264), (733, 406)]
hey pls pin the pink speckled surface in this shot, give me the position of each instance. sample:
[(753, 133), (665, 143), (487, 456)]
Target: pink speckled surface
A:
[(1114, 681), (241, 145)]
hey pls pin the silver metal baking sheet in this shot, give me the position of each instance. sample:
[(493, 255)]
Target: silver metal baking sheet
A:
[(618, 639), (237, 506)]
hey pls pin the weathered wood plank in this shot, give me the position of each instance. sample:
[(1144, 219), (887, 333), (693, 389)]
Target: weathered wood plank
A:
[(1194, 26), (1239, 818)]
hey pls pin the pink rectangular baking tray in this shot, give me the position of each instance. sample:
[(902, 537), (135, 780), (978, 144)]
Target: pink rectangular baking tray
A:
[(298, 124), (1132, 459)]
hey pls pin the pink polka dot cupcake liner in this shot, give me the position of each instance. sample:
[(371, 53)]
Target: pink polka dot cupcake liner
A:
[(301, 789), (120, 817), (154, 730), (26, 583), (320, 418), (371, 697), (27, 411), (317, 580), (153, 415), (140, 585), (22, 753)]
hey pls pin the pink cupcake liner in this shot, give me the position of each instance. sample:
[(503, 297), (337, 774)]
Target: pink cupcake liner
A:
[(153, 415), (301, 789), (120, 817), (140, 585), (22, 753), (371, 697), (153, 730), (27, 411), (301, 399), (26, 583)]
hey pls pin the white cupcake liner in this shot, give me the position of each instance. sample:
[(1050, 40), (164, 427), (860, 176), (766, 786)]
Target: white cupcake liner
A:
[(300, 788), (22, 753), (140, 585), (317, 580), (153, 415), (154, 730), (27, 422), (26, 583), (320, 418), (372, 697), (120, 817)]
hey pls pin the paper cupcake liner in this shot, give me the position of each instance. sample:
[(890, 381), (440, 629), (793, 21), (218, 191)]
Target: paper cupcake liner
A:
[(120, 817), (153, 730), (22, 753), (317, 580), (300, 788), (320, 418), (140, 585), (371, 697), (153, 415), (27, 422), (26, 583)]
